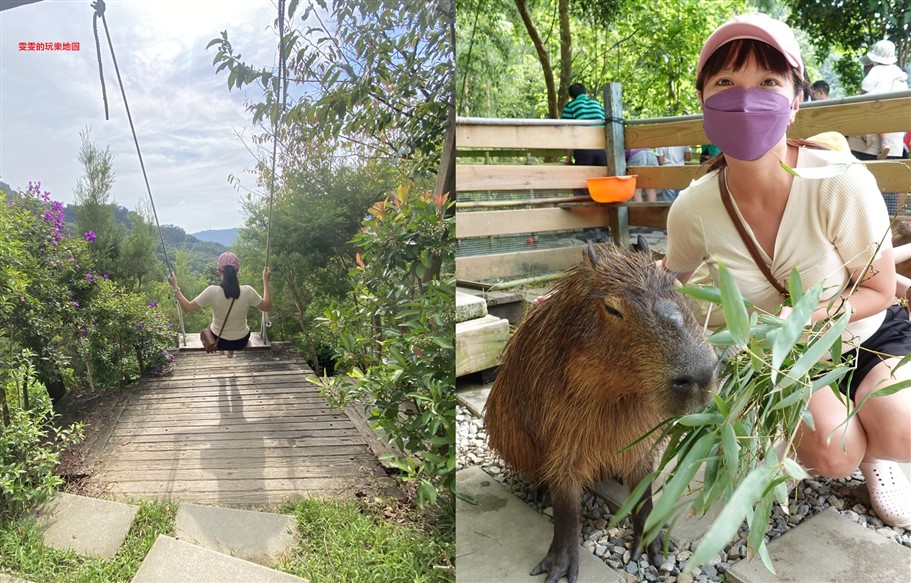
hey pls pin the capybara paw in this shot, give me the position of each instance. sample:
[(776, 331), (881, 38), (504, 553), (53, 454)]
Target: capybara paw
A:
[(557, 568), (656, 553)]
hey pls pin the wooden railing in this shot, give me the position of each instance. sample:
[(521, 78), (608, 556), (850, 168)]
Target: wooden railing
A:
[(533, 152)]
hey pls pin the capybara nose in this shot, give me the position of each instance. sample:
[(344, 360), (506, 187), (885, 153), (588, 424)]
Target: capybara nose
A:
[(700, 380), (684, 384)]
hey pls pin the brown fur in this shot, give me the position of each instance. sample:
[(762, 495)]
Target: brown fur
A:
[(589, 371)]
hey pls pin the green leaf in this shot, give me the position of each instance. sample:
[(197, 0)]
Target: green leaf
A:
[(730, 450), (794, 327), (633, 499), (795, 286), (703, 292), (726, 525), (789, 400), (677, 484), (818, 172), (816, 350), (735, 312), (700, 419), (794, 469)]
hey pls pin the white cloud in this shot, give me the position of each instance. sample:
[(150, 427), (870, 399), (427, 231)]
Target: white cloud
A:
[(185, 116)]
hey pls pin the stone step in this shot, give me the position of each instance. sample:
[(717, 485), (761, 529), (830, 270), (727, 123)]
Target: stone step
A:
[(88, 526), (509, 305), (480, 343), (828, 547), (469, 307), (260, 537), (173, 561), (501, 538)]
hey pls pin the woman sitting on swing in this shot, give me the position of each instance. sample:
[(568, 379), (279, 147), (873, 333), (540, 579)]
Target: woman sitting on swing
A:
[(233, 334)]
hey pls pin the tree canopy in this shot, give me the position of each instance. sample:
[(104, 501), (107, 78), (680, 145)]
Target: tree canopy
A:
[(512, 55)]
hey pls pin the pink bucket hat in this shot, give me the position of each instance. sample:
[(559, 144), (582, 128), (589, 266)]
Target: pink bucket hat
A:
[(755, 26), (227, 258)]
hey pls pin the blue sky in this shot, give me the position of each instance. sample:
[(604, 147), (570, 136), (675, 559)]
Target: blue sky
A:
[(186, 120)]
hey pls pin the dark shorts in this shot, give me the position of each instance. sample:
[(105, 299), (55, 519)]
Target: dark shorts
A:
[(590, 157), (233, 344), (892, 339)]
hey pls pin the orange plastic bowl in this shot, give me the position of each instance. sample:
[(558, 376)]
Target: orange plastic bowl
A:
[(612, 188)]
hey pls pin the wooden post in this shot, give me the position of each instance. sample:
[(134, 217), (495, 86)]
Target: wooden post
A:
[(616, 158)]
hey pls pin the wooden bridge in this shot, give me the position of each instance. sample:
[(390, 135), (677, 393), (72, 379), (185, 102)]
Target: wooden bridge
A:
[(247, 431)]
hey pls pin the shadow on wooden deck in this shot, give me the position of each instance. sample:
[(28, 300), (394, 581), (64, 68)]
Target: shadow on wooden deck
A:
[(248, 431)]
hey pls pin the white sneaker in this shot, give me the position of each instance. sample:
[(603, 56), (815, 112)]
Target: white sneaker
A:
[(890, 492)]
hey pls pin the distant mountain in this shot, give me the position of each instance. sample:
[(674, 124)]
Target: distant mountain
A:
[(224, 236)]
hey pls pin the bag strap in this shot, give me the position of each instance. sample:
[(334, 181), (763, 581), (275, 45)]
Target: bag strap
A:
[(217, 338), (747, 240)]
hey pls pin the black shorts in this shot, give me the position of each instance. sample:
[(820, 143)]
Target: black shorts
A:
[(892, 339), (590, 157), (233, 344)]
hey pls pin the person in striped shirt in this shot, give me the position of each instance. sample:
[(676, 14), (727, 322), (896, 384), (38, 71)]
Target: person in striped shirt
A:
[(581, 106)]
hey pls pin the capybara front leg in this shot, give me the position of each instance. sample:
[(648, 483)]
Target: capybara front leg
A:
[(655, 554), (562, 558)]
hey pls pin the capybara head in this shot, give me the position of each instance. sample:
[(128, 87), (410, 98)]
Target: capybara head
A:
[(614, 327), (608, 354)]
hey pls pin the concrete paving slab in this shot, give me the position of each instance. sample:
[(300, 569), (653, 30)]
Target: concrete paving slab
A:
[(10, 579), (469, 307), (501, 538), (260, 537), (474, 397), (88, 526), (173, 561), (828, 547)]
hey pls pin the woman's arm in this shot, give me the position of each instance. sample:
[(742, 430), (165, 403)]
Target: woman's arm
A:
[(185, 304), (266, 304), (874, 293)]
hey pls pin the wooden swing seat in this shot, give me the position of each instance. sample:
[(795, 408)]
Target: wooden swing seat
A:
[(191, 342)]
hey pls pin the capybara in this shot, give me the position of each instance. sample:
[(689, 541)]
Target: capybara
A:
[(610, 352)]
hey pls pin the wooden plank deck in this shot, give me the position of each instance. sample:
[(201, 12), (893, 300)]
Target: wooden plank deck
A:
[(250, 431)]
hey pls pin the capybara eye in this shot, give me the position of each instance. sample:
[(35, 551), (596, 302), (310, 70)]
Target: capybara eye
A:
[(611, 308)]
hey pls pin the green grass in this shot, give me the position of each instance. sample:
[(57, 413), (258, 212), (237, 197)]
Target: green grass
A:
[(339, 542), (351, 542), (23, 555)]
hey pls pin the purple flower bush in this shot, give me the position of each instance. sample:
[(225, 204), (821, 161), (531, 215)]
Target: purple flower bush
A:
[(71, 319)]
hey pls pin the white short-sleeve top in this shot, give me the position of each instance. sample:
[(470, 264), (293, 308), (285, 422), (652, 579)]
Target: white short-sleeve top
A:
[(236, 327), (830, 228)]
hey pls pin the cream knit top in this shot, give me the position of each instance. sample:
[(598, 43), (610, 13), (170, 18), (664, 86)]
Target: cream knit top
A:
[(830, 228)]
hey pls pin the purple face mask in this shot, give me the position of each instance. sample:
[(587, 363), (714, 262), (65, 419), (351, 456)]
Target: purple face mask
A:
[(746, 123)]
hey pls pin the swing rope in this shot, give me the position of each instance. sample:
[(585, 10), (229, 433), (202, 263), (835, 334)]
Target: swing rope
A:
[(99, 7), (282, 89)]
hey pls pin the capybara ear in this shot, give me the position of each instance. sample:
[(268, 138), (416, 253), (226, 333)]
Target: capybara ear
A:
[(591, 255), (642, 245)]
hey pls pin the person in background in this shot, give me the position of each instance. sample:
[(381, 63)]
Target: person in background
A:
[(884, 76), (672, 156), (233, 334), (709, 151), (749, 81), (820, 90), (581, 106), (642, 157)]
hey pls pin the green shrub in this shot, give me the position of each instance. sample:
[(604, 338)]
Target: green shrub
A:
[(29, 452), (395, 335), (125, 337)]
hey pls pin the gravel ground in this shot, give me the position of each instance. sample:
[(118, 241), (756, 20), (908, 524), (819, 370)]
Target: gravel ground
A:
[(612, 545)]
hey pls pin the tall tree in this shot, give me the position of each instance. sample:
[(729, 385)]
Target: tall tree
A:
[(95, 214), (137, 255), (376, 75)]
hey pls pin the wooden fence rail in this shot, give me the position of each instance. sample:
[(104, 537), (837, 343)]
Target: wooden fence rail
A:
[(528, 148)]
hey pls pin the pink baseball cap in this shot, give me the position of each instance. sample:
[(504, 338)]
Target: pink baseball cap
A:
[(227, 258), (756, 26)]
